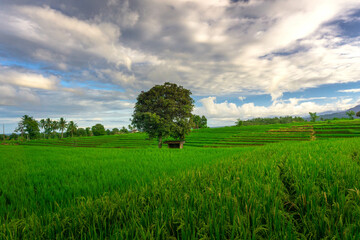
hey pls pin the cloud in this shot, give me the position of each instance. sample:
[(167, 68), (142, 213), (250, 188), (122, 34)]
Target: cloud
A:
[(229, 112), (55, 34), (106, 52), (27, 79), (355, 90), (11, 96), (242, 98)]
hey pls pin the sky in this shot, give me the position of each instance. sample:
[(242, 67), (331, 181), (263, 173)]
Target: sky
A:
[(87, 60)]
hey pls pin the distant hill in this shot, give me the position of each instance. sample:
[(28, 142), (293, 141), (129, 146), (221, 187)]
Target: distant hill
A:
[(340, 114)]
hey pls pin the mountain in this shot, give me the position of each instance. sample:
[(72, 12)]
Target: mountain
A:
[(340, 114)]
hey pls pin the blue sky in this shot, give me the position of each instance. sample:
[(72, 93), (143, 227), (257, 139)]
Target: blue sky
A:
[(88, 60)]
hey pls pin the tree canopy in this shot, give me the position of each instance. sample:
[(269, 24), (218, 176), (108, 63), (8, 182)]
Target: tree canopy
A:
[(313, 116), (350, 114), (199, 122), (98, 130), (164, 110), (29, 126)]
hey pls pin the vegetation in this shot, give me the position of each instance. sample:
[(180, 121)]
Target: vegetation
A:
[(265, 121), (71, 128), (288, 180), (289, 190), (62, 126), (28, 125), (199, 122), (164, 110), (350, 114), (313, 116), (98, 130)]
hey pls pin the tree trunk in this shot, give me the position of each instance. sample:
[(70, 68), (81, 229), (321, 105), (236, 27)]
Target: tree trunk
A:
[(160, 142), (62, 133)]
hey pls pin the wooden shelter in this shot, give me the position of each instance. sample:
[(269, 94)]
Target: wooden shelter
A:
[(175, 144)]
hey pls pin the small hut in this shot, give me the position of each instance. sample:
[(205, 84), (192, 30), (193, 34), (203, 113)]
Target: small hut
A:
[(175, 144)]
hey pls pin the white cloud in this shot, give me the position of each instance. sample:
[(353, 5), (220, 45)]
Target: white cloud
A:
[(229, 112), (242, 98), (211, 47), (12, 96), (27, 79), (67, 36), (355, 90)]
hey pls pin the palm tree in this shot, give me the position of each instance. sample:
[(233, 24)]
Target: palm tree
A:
[(54, 126), (42, 124), (62, 126), (48, 126), (21, 125), (71, 127)]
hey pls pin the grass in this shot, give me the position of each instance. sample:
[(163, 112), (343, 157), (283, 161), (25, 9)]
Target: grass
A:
[(229, 137), (286, 189)]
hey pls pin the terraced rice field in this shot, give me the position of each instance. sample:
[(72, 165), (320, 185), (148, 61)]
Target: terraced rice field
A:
[(337, 129), (286, 190), (298, 181), (225, 137)]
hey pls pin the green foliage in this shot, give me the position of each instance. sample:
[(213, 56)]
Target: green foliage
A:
[(71, 128), (199, 122), (265, 121), (291, 190), (88, 131), (229, 137), (239, 123), (13, 136), (124, 130), (358, 114), (98, 130), (350, 114), (29, 126), (115, 131), (62, 126), (164, 110), (313, 116), (42, 125), (48, 127), (81, 132)]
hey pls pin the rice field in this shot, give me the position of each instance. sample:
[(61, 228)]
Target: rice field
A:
[(254, 182), (225, 137)]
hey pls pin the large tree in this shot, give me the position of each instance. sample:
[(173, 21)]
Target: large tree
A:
[(30, 126), (164, 110), (98, 129)]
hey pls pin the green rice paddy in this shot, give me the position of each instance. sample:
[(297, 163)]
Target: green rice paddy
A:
[(296, 181)]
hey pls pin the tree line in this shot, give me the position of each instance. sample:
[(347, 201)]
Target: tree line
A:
[(265, 121), (288, 119), (29, 128)]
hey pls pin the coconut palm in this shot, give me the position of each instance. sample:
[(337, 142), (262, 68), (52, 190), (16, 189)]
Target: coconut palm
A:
[(62, 126), (54, 126), (71, 128), (42, 124), (48, 123)]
